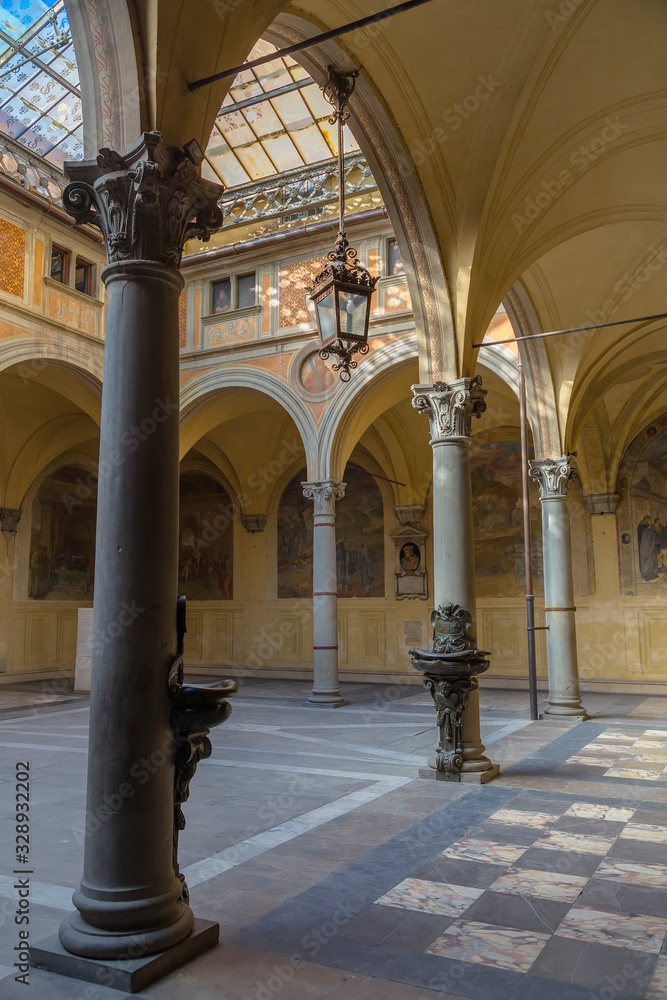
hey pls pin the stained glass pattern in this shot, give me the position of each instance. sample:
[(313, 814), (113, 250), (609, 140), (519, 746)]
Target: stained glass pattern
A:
[(40, 101), (274, 119)]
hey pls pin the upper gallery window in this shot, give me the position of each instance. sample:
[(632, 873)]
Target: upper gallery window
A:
[(59, 264), (394, 259), (236, 292), (40, 100), (83, 274)]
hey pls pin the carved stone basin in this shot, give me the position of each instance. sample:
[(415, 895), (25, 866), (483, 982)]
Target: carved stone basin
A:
[(450, 668), (467, 663)]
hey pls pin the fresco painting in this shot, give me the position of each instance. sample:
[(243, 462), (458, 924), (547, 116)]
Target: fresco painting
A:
[(206, 534), (359, 539), (498, 520), (62, 537)]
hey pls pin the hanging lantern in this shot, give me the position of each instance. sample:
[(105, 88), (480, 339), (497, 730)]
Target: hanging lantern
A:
[(342, 292)]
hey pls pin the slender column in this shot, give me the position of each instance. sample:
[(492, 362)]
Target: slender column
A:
[(552, 476), (9, 521), (450, 407), (326, 690), (130, 902)]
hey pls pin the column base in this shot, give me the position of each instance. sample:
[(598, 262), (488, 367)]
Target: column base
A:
[(131, 975), (568, 710), (574, 715), (467, 777), (325, 699)]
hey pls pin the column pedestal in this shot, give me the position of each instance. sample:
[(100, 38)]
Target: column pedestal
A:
[(326, 691), (553, 476)]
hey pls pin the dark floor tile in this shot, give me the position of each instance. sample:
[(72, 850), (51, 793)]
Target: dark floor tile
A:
[(652, 815), (599, 966), (477, 874), (563, 862), (501, 834), (418, 930), (621, 898), (639, 851), (405, 928), (529, 913), (591, 827)]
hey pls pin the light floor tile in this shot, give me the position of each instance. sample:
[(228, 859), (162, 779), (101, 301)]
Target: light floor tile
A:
[(522, 817), (581, 843), (594, 810), (644, 832), (634, 772), (484, 850), (488, 944), (431, 897), (631, 873), (620, 930), (546, 885), (658, 987)]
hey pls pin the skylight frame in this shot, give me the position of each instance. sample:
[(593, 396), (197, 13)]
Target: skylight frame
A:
[(47, 134), (230, 178)]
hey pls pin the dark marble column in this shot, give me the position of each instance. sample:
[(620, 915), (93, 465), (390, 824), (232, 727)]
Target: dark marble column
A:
[(147, 202)]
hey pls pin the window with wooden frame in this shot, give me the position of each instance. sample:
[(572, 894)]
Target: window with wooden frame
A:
[(83, 276), (239, 291), (59, 261)]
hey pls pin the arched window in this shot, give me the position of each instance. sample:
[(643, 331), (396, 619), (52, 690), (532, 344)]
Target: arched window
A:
[(62, 537), (206, 539), (359, 539)]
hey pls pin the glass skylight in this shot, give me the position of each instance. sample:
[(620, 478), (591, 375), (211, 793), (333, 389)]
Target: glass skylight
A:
[(40, 101), (274, 119)]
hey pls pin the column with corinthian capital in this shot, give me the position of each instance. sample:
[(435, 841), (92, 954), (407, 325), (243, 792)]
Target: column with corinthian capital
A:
[(324, 495), (130, 904), (450, 407), (553, 475)]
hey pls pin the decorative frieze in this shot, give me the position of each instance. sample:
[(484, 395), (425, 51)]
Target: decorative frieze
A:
[(146, 202), (552, 476), (324, 495), (450, 406)]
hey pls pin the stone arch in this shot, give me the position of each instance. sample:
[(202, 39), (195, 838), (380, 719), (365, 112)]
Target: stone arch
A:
[(202, 387), (382, 364)]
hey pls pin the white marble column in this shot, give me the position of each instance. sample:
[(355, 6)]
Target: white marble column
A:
[(450, 407), (129, 905), (552, 476), (326, 689)]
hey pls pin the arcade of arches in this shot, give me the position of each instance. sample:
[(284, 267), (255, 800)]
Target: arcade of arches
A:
[(504, 178)]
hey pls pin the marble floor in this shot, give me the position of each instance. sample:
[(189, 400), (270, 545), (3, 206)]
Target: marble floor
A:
[(335, 871)]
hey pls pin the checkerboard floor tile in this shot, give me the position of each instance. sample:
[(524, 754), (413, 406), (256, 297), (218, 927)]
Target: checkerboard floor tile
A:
[(487, 944), (639, 755), (620, 930), (431, 897), (551, 895), (547, 885), (658, 987)]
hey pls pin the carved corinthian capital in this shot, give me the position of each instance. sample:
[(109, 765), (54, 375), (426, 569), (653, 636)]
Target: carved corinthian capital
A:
[(450, 406), (324, 495), (146, 202), (552, 476)]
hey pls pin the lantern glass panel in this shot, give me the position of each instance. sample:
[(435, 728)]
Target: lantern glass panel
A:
[(326, 318), (353, 310)]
